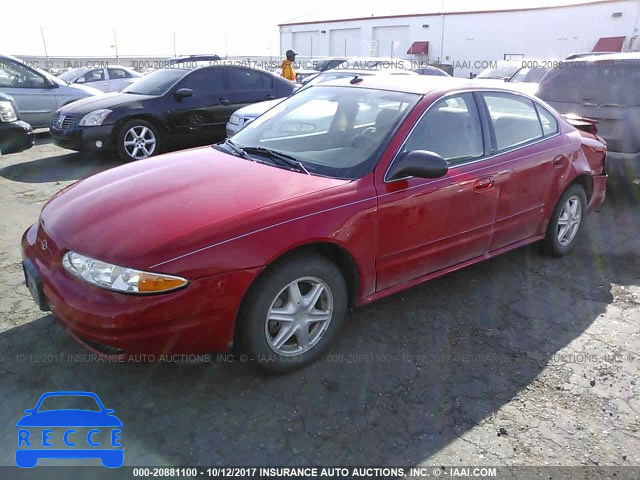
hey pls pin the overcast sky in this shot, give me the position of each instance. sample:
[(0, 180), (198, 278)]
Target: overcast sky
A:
[(146, 27)]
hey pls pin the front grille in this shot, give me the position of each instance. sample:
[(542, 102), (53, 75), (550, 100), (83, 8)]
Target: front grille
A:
[(67, 121)]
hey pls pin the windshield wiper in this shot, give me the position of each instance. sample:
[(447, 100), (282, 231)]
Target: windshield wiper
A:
[(280, 158), (237, 150)]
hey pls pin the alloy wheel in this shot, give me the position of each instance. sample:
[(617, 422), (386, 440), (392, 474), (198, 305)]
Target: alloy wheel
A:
[(299, 316), (569, 220), (139, 142)]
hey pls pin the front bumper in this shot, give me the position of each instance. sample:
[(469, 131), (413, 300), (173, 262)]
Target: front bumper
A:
[(197, 319), (16, 137), (85, 139)]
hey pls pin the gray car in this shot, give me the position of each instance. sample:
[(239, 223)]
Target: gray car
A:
[(109, 79), (605, 88), (37, 93)]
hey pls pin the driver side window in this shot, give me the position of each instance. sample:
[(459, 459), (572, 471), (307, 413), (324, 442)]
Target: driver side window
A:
[(451, 128), (13, 75)]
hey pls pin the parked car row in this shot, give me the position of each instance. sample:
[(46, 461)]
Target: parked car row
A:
[(166, 109)]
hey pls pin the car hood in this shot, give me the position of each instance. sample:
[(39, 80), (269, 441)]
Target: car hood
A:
[(109, 100), (86, 89), (69, 418), (257, 109), (147, 212)]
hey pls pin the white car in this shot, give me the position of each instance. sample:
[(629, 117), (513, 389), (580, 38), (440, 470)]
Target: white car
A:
[(109, 79), (246, 115)]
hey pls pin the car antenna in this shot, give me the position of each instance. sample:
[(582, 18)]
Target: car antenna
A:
[(355, 80)]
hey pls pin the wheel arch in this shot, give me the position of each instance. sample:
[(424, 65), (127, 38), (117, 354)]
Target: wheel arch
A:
[(148, 117), (585, 181), (334, 252)]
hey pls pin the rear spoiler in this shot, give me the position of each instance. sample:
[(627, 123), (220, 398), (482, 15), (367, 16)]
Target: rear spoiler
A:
[(582, 123)]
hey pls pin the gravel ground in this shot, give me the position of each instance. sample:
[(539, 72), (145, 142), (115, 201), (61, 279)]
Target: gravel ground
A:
[(520, 360)]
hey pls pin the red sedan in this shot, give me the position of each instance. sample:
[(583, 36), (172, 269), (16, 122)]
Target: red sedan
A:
[(342, 194)]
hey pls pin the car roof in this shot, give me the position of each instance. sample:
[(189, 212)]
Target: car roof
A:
[(607, 56), (367, 71), (423, 84), (216, 64)]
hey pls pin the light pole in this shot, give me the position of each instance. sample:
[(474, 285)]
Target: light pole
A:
[(115, 44), (442, 34), (44, 42)]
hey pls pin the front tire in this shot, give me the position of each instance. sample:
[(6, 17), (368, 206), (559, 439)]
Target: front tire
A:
[(292, 313), (566, 221), (137, 140)]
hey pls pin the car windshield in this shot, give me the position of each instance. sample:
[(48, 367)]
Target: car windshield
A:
[(331, 130), (502, 70), (605, 82), (529, 75), (71, 75), (158, 82), (69, 402), (52, 78)]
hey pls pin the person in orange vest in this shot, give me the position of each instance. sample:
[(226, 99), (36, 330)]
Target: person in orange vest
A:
[(287, 66)]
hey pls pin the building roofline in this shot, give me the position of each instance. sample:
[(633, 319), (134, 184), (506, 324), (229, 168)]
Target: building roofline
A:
[(470, 12)]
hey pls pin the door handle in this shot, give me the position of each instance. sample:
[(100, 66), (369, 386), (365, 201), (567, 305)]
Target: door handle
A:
[(483, 184), (223, 101), (559, 160), (270, 97)]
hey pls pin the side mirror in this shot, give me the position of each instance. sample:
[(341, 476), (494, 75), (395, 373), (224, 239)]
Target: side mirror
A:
[(418, 163), (29, 410), (506, 79), (183, 93), (81, 80)]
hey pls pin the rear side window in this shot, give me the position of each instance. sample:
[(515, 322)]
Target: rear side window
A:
[(605, 82), (116, 73), (548, 121), (241, 79), (515, 120)]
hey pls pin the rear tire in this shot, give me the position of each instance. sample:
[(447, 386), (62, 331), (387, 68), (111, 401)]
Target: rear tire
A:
[(292, 313), (566, 221)]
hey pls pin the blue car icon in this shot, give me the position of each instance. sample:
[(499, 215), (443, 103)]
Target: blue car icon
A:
[(69, 433)]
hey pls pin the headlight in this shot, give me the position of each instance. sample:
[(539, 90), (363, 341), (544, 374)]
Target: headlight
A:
[(94, 118), (234, 119), (120, 279), (7, 113)]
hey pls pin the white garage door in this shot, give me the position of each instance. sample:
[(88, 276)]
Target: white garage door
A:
[(345, 42), (306, 43), (391, 41)]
